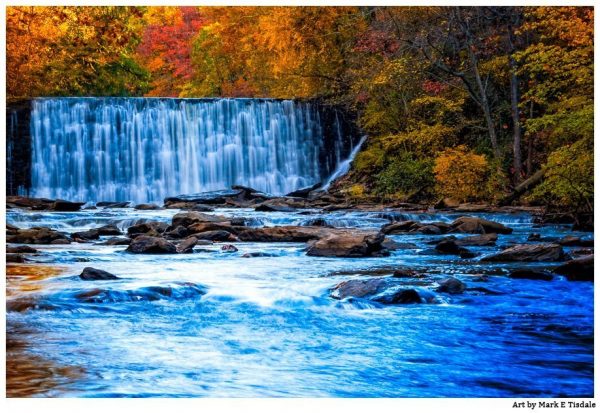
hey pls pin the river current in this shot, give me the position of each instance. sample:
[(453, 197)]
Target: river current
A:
[(216, 324)]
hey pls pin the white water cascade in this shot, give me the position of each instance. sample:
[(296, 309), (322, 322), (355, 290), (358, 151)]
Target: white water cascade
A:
[(142, 150), (344, 166)]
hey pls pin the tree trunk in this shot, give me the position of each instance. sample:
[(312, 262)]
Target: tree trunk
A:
[(524, 187), (514, 107)]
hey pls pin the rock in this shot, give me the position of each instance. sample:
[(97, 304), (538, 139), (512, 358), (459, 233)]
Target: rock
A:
[(16, 258), (281, 234), (201, 227), (178, 232), (472, 208), (582, 251), (37, 204), (187, 245), (190, 205), (116, 241), (527, 274), (316, 222), (528, 252), (65, 206), (21, 249), (446, 203), (147, 207), (467, 254), (451, 285), (573, 241), (478, 226), (408, 296), (257, 254), (185, 219), (399, 227), (37, 235), (229, 248), (210, 197), (304, 192), (94, 274), (12, 230), (109, 230), (359, 288), (430, 230), (449, 246), (348, 245), (85, 236), (150, 228), (274, 207), (112, 204), (216, 236), (144, 244), (579, 269), (407, 273), (477, 240), (390, 244)]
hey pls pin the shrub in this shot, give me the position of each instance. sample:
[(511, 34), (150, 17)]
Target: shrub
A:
[(406, 177), (461, 174)]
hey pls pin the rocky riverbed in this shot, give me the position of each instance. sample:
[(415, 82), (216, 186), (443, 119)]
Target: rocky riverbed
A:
[(236, 293)]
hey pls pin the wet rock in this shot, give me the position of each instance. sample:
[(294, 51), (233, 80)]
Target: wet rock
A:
[(348, 245), (359, 288), (144, 244), (257, 254), (210, 197), (316, 222), (116, 241), (408, 296), (449, 246), (466, 254), (274, 207), (216, 236), (281, 234), (30, 203), (573, 241), (85, 236), (147, 207), (528, 274), (229, 248), (65, 206), (201, 227), (478, 226), (390, 244), (187, 245), (17, 258), (582, 251), (178, 232), (185, 219), (399, 227), (407, 273), (94, 274), (112, 204), (528, 252), (37, 235), (108, 230), (473, 208), (150, 228), (12, 230), (451, 285), (21, 249), (304, 192), (477, 240), (579, 269)]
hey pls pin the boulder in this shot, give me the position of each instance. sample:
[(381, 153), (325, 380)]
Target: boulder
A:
[(108, 230), (478, 226), (15, 258), (359, 288), (229, 248), (185, 219), (94, 274), (178, 232), (257, 254), (144, 244), (216, 236), (407, 273), (390, 244), (405, 296), (65, 206), (477, 240), (348, 245), (400, 227), (150, 228), (281, 234), (579, 269), (304, 192), (211, 226), (316, 222), (210, 197), (37, 204), (528, 274), (12, 230), (112, 204), (528, 252), (37, 235), (116, 241), (449, 246), (187, 245), (451, 285), (85, 236), (147, 207), (573, 241), (274, 207), (21, 249)]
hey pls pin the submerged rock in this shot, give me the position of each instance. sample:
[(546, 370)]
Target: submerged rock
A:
[(229, 248), (147, 207), (257, 254), (144, 244), (92, 274), (348, 245), (359, 288), (451, 285), (405, 296), (529, 252), (579, 269), (449, 246), (527, 274)]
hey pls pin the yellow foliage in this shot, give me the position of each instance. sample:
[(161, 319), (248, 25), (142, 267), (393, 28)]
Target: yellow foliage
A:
[(461, 174)]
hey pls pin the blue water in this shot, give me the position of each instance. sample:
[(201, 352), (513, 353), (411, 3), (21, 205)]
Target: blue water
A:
[(227, 326)]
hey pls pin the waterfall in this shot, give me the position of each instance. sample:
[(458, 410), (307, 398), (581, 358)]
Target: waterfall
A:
[(344, 166), (144, 149)]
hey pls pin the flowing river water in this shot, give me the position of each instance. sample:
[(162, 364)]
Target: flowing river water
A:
[(218, 324)]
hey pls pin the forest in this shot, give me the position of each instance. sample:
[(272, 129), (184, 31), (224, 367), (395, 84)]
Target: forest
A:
[(460, 104)]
